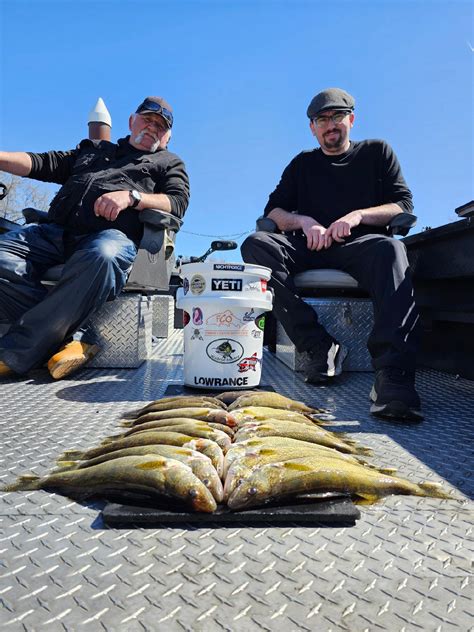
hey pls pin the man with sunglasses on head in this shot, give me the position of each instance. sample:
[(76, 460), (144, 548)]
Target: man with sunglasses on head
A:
[(93, 228), (333, 205)]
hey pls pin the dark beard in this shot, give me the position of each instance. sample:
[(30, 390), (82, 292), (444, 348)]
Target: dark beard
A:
[(334, 144)]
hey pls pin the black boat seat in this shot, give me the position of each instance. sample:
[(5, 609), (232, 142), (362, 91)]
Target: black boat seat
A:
[(155, 260), (327, 279)]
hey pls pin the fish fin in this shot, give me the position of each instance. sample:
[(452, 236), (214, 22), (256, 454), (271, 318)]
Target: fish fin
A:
[(365, 499), (434, 490), (126, 424), (23, 483), (65, 466), (387, 470)]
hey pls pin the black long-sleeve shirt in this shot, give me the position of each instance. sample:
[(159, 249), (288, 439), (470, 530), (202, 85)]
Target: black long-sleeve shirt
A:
[(98, 167), (328, 187)]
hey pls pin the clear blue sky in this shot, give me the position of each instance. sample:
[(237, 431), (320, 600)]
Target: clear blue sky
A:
[(240, 75)]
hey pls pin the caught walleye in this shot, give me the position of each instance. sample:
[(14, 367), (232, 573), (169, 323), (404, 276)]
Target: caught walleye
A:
[(149, 475), (203, 413), (200, 464), (206, 446), (277, 481), (263, 413), (311, 434), (272, 400)]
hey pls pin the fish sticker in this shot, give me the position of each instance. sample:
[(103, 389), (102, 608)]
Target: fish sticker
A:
[(197, 335), (224, 350), (249, 316), (249, 364), (185, 285)]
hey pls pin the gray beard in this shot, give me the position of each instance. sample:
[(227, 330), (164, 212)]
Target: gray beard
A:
[(139, 137)]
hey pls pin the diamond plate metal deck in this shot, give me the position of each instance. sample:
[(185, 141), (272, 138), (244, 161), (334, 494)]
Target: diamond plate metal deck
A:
[(405, 566)]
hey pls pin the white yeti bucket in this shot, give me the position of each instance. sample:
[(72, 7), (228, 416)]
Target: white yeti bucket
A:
[(224, 307)]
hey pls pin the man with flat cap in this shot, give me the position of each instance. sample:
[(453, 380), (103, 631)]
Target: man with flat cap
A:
[(333, 205), (93, 229)]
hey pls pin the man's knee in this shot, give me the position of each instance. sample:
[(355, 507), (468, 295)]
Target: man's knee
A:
[(391, 251), (257, 247)]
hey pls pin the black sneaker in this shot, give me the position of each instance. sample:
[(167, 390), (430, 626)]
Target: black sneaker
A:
[(394, 396), (323, 362)]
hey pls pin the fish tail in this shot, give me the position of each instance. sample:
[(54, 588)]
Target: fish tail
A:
[(71, 455), (363, 450), (111, 439), (23, 483), (434, 490)]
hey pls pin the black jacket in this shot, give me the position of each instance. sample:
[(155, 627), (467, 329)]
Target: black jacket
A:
[(97, 167)]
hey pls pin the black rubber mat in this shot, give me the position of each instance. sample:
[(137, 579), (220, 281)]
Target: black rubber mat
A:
[(336, 511), (181, 389)]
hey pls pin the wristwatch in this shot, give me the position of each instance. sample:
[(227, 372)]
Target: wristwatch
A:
[(136, 198)]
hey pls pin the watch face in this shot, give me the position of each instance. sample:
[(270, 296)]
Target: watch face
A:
[(136, 197)]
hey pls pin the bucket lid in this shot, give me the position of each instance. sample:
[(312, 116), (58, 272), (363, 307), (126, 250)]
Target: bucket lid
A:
[(224, 267)]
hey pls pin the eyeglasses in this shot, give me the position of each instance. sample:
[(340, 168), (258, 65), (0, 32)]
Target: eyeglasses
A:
[(323, 121), (151, 106)]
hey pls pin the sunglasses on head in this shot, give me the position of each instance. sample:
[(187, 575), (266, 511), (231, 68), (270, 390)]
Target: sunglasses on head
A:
[(151, 106)]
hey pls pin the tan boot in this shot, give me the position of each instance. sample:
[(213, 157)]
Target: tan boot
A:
[(5, 370), (70, 358)]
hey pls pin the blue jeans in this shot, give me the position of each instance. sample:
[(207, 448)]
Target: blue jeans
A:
[(96, 267)]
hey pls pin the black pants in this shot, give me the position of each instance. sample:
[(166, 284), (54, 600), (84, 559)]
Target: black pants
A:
[(377, 262), (95, 270)]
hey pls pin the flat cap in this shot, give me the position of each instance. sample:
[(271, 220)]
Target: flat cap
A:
[(330, 99)]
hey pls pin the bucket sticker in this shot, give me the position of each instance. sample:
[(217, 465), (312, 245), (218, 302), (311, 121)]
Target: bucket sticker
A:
[(256, 333), (186, 318), (197, 284), (249, 364), (226, 285), (220, 381), (235, 267), (249, 316), (264, 284), (197, 335), (224, 319), (197, 316), (185, 285), (224, 350), (260, 322), (254, 286)]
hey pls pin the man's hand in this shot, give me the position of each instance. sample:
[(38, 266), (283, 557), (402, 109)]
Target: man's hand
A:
[(109, 205), (315, 233), (341, 228)]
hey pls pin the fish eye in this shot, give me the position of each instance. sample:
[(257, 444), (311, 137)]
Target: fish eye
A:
[(252, 491), (193, 493)]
